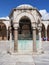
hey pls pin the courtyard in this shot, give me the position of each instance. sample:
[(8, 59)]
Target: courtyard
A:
[(25, 59), (25, 39)]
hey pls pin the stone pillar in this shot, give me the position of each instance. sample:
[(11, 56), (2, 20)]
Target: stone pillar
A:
[(10, 34), (40, 38), (46, 34), (10, 49), (34, 40), (15, 39), (7, 34), (40, 41)]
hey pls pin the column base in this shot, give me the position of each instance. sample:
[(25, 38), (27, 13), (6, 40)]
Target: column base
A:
[(17, 53), (40, 51), (10, 51)]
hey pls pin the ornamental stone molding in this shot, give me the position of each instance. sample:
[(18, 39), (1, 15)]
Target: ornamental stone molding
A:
[(25, 10), (25, 14)]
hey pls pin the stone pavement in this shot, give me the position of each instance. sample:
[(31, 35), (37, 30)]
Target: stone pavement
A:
[(7, 59), (40, 59)]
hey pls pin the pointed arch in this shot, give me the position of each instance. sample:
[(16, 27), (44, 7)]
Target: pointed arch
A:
[(23, 14), (25, 29)]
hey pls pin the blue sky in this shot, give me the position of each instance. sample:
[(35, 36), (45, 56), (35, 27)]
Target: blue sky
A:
[(7, 5)]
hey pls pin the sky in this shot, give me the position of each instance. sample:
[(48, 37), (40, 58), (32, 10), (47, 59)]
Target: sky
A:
[(7, 5)]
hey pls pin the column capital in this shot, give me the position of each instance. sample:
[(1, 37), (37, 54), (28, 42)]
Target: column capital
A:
[(10, 28), (39, 26), (34, 28), (15, 26), (34, 25)]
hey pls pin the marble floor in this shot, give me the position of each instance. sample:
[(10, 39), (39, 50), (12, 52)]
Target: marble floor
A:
[(40, 59), (7, 59)]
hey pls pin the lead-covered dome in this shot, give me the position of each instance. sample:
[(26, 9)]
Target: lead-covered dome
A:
[(25, 6)]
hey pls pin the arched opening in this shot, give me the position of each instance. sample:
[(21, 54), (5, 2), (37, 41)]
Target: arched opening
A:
[(3, 31), (25, 29), (48, 33), (43, 35)]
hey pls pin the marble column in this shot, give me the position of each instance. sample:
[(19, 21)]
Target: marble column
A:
[(40, 41), (10, 42), (10, 34), (46, 34), (34, 40), (15, 40), (7, 34)]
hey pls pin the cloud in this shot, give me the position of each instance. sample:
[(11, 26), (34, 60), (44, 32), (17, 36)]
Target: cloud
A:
[(45, 14), (7, 18)]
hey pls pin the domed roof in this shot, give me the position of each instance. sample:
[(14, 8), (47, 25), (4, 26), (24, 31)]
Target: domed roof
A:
[(24, 6)]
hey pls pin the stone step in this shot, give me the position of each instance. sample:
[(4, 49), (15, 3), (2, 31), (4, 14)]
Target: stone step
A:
[(24, 63)]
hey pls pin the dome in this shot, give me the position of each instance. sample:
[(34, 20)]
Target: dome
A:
[(25, 6)]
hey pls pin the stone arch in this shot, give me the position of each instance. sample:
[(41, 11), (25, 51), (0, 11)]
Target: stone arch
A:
[(43, 32), (25, 28), (3, 31), (29, 15)]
